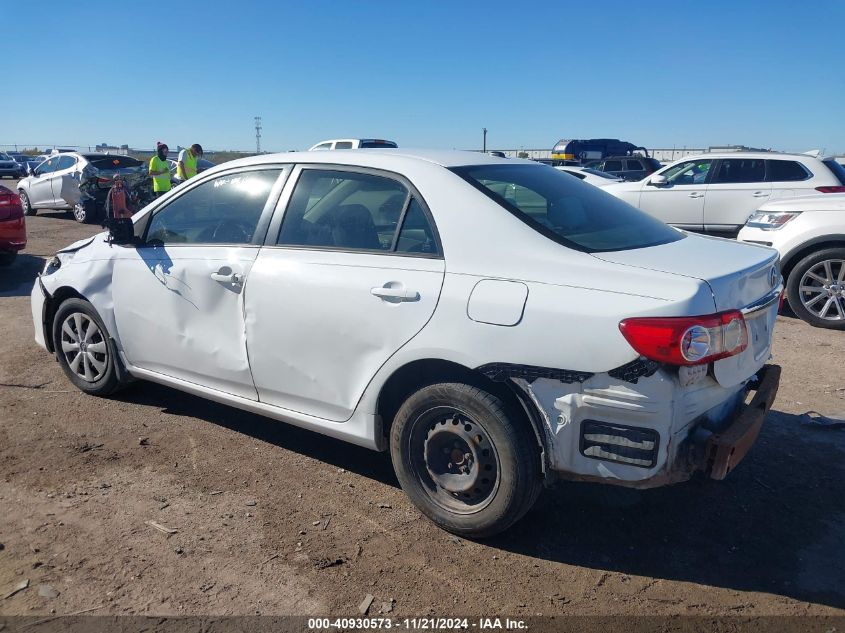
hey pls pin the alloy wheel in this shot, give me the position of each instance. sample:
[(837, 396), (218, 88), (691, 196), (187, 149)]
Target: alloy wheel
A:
[(84, 347), (822, 290)]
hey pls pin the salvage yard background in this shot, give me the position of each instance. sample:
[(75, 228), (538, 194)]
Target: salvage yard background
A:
[(270, 519)]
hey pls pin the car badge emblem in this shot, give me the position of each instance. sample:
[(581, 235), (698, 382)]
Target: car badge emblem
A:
[(773, 276)]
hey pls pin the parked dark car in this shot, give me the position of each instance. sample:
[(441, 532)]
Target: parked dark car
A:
[(28, 163), (627, 167), (12, 226), (9, 167)]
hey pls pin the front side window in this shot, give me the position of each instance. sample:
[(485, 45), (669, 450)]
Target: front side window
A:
[(355, 211), (47, 167), (740, 170), (343, 145), (690, 172), (224, 210), (785, 171), (633, 165), (569, 212)]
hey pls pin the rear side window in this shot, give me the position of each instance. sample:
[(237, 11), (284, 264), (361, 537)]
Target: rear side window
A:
[(567, 211), (113, 162), (375, 143), (785, 171), (343, 145), (355, 211), (837, 169), (740, 170), (65, 162), (613, 165), (633, 165)]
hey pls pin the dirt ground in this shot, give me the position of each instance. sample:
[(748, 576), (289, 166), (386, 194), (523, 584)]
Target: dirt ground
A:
[(270, 519)]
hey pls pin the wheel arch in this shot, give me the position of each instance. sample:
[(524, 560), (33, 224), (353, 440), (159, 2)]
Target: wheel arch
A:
[(51, 305), (789, 261), (416, 374)]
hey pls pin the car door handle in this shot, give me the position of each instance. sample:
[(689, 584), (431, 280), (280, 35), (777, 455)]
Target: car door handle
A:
[(761, 194), (227, 277), (395, 294), (696, 194)]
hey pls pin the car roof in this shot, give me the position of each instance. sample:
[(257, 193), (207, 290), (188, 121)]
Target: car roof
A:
[(385, 158), (761, 155)]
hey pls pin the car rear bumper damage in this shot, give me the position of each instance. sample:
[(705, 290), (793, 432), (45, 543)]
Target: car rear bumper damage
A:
[(650, 431)]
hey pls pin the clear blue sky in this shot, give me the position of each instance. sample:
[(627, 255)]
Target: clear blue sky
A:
[(768, 73)]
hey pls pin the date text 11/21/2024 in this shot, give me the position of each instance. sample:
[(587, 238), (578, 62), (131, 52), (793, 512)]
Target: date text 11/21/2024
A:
[(416, 624)]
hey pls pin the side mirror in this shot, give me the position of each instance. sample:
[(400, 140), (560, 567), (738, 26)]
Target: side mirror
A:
[(121, 231), (658, 181)]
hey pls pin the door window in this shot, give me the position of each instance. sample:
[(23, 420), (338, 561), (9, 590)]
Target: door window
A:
[(633, 165), (47, 167), (691, 172), (65, 162), (355, 211), (224, 210), (740, 170), (343, 145), (613, 165), (785, 171)]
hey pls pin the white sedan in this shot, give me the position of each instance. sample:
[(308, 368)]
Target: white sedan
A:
[(809, 234), (493, 323), (590, 176)]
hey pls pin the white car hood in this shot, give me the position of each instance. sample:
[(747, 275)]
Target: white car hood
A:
[(738, 274), (817, 202)]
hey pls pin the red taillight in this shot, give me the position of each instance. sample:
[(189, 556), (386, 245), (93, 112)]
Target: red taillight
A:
[(10, 206), (832, 189), (687, 340)]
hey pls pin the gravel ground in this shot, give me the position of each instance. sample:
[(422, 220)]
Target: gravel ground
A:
[(270, 519)]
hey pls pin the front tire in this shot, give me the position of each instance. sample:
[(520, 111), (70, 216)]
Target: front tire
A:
[(84, 348), (25, 203), (467, 461), (816, 289)]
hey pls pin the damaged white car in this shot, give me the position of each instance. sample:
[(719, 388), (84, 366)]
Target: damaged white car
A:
[(493, 323)]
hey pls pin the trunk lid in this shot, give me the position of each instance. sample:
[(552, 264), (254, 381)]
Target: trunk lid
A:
[(741, 277), (738, 274)]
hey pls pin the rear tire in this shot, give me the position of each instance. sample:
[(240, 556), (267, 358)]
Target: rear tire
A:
[(816, 289), (85, 351), (25, 203), (466, 461), (85, 213)]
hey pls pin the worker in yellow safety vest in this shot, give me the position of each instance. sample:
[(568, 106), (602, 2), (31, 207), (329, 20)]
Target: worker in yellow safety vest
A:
[(186, 165), (160, 170)]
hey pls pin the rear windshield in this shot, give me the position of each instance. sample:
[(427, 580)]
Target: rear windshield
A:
[(837, 169), (567, 210), (370, 144), (113, 162)]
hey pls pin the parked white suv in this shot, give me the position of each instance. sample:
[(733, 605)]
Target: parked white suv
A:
[(809, 234), (716, 193), (491, 322), (353, 143)]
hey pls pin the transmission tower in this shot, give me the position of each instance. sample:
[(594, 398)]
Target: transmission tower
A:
[(258, 135)]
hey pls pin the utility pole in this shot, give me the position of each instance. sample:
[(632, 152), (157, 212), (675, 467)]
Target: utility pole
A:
[(258, 135), (484, 146)]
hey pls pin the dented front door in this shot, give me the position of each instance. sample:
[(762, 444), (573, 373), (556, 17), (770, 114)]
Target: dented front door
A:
[(179, 297), (179, 312)]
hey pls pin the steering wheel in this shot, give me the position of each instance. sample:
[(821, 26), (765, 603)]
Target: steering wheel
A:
[(232, 231)]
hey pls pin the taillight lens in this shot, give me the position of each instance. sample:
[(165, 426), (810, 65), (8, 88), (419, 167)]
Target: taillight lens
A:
[(687, 340), (10, 206), (832, 189)]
